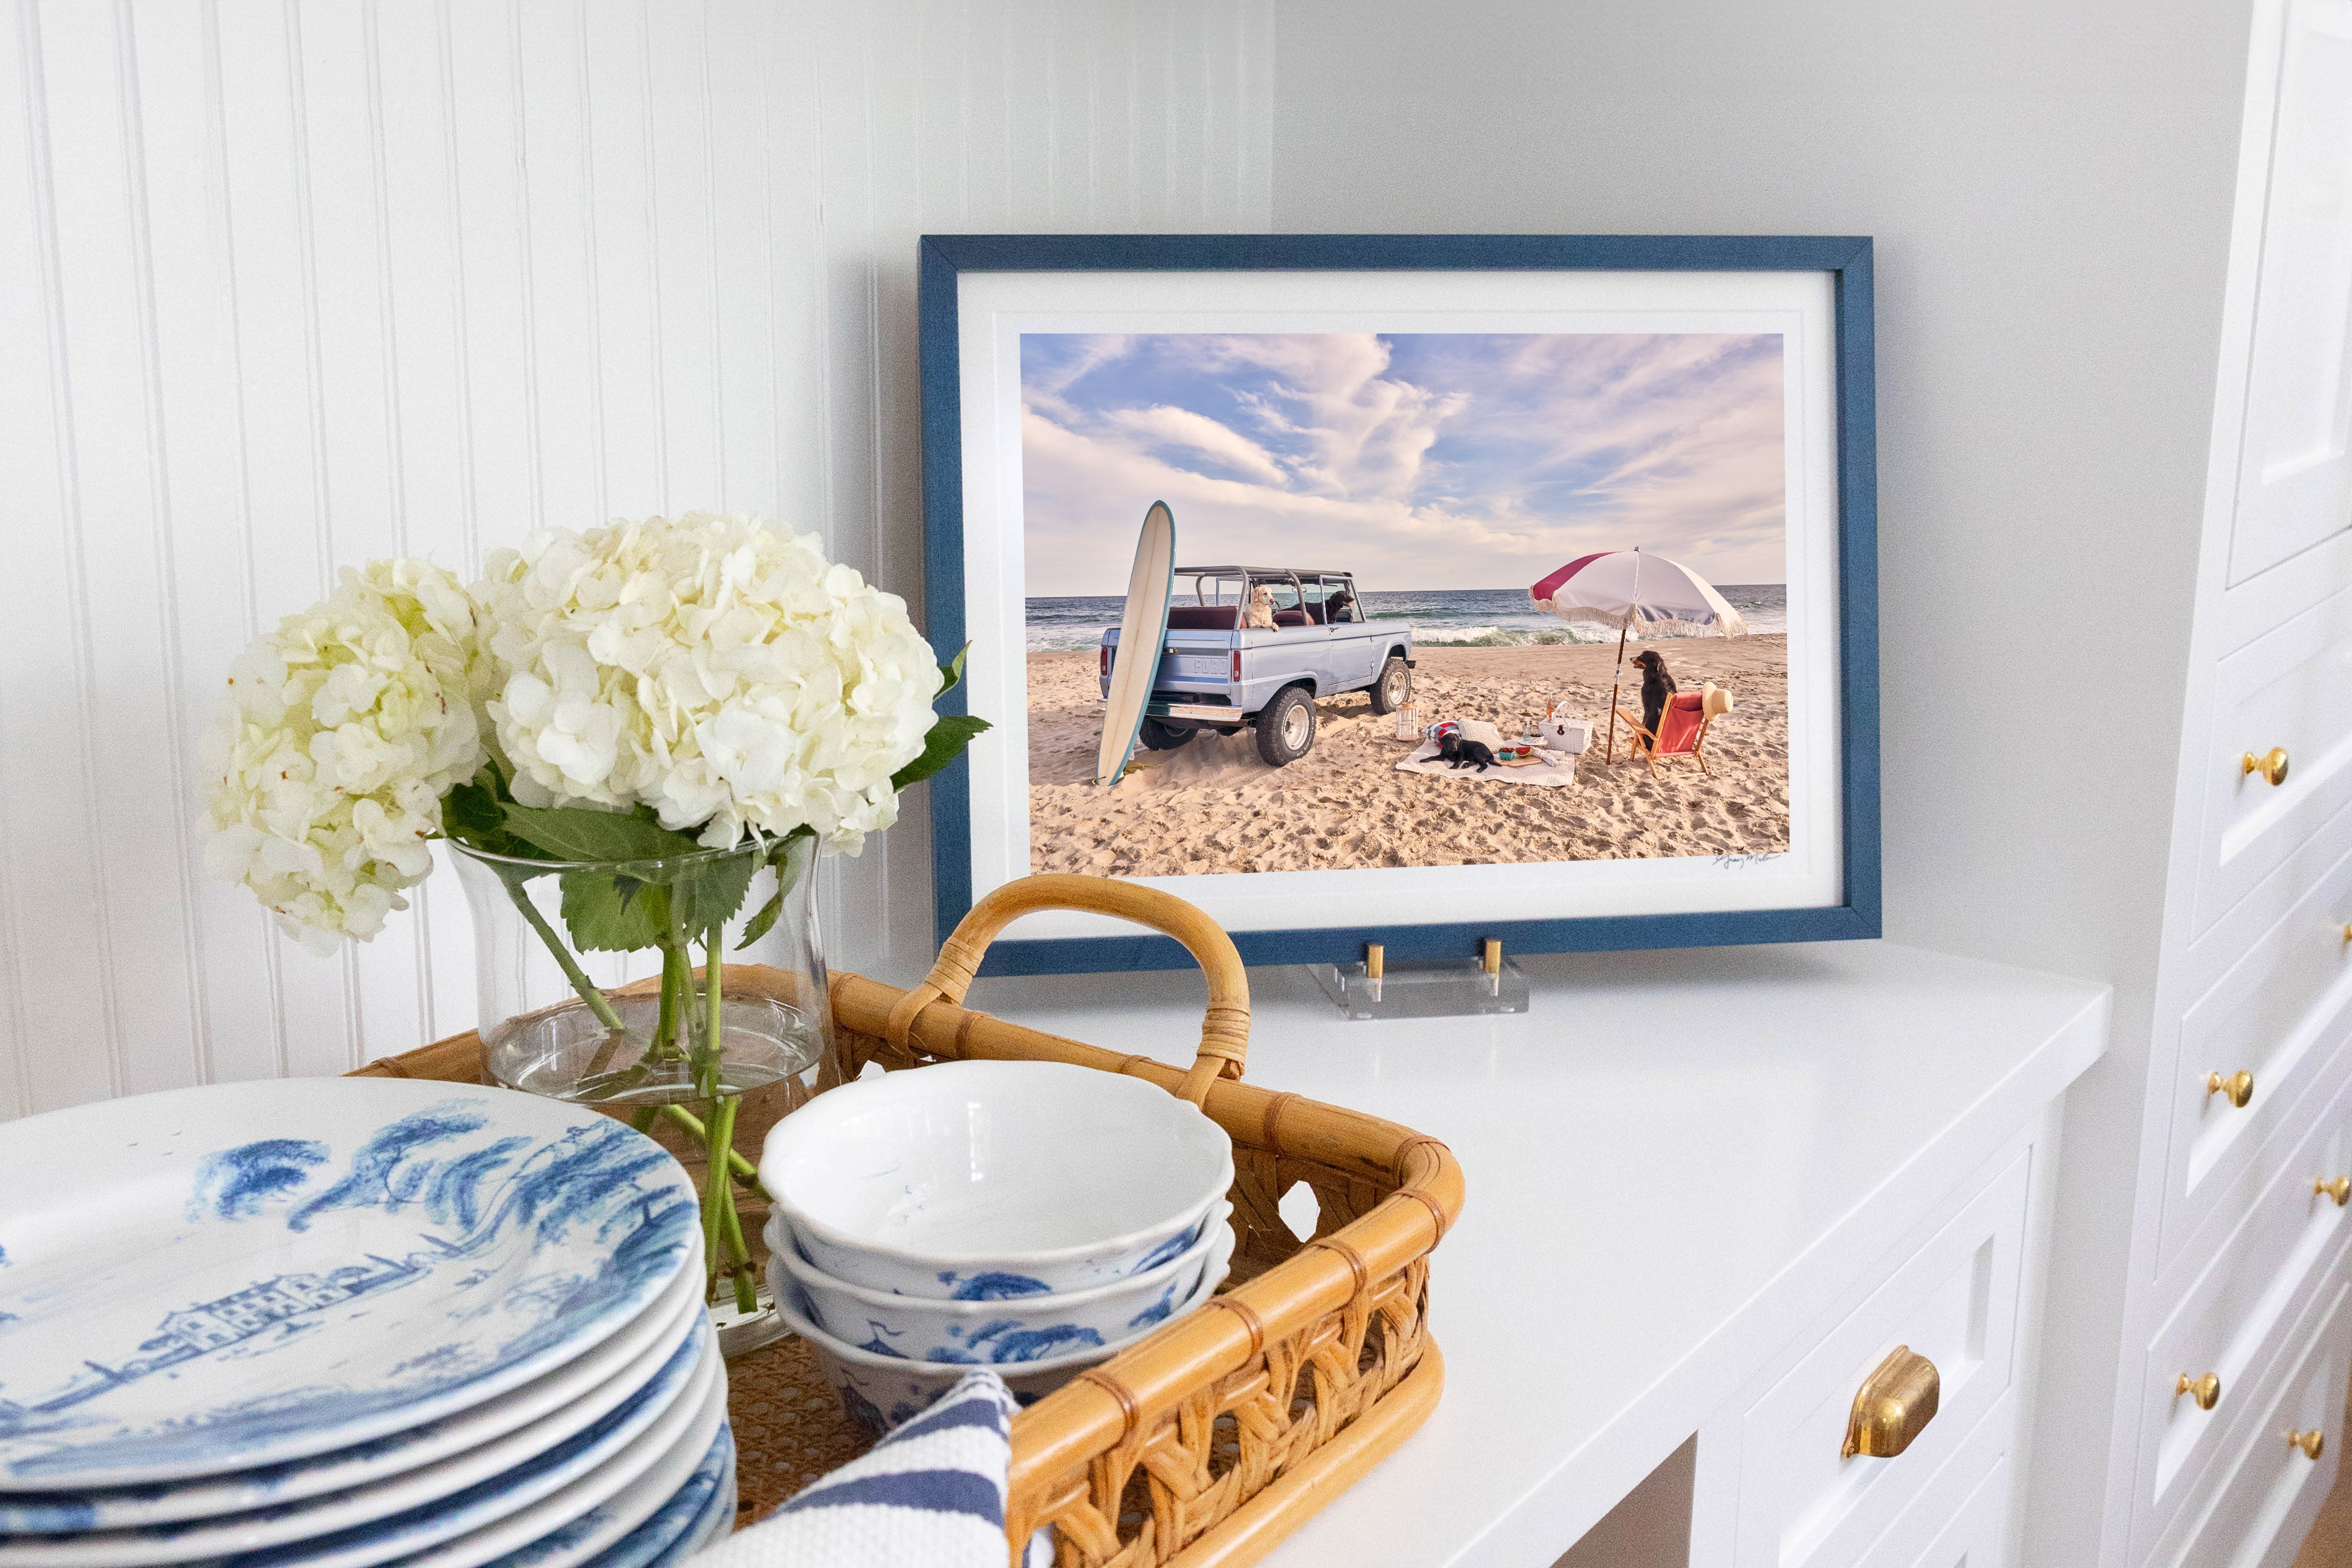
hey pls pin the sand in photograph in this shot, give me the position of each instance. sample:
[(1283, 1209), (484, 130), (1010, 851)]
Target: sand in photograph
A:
[(1212, 806)]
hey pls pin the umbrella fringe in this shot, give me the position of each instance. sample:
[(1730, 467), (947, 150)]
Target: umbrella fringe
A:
[(1667, 626)]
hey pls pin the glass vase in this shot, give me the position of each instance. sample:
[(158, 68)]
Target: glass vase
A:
[(595, 987)]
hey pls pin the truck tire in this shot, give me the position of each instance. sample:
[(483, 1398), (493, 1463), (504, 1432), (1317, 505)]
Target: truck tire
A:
[(1159, 737), (1395, 684), (1285, 727)]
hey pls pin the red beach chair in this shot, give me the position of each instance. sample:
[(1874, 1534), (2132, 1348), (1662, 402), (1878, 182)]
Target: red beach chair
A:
[(1682, 728)]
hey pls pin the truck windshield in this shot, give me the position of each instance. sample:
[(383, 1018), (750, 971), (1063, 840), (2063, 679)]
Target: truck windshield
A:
[(1216, 590)]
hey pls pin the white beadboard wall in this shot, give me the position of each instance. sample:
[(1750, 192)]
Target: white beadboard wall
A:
[(287, 284)]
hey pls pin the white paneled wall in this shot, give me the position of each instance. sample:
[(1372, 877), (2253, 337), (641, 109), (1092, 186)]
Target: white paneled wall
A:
[(284, 285)]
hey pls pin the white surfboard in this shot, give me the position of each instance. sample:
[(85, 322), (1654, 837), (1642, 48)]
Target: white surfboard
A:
[(1143, 638)]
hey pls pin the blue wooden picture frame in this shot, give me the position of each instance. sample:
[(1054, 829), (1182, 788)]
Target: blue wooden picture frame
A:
[(1846, 260)]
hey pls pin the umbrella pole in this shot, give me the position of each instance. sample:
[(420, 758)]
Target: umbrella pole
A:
[(1608, 751)]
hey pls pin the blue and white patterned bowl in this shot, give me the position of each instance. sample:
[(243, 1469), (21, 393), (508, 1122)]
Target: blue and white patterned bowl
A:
[(878, 1392), (1007, 1323), (1039, 1176)]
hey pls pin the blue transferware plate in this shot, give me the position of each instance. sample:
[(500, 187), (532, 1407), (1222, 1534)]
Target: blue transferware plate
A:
[(476, 1442), (694, 1515), (215, 1279), (398, 1515), (568, 1530), (717, 1521)]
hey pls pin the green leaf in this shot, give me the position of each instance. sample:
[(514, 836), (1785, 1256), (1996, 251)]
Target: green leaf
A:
[(791, 864), (761, 924), (471, 814), (579, 833), (951, 672), (710, 894), (608, 913), (944, 745)]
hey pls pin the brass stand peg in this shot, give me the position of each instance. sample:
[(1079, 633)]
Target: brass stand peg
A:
[(1493, 952), (1375, 967)]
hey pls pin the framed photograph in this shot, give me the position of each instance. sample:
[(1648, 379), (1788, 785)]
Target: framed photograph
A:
[(1415, 590)]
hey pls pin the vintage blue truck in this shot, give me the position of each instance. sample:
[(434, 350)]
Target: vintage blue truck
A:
[(1223, 668)]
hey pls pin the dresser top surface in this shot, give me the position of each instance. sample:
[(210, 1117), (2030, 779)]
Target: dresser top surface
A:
[(1674, 1161)]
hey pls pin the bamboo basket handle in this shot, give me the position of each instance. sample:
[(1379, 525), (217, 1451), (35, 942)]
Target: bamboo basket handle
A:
[(1224, 1033)]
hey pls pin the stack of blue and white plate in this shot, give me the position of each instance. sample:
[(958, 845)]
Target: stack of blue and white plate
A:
[(333, 1323)]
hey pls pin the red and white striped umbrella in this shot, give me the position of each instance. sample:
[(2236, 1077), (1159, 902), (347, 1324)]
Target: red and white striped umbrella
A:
[(1627, 590), (1624, 589)]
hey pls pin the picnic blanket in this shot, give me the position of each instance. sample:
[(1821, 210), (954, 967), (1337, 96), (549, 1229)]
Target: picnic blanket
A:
[(1553, 771)]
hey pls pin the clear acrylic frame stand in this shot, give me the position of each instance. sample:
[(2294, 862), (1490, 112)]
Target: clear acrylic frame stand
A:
[(1448, 988)]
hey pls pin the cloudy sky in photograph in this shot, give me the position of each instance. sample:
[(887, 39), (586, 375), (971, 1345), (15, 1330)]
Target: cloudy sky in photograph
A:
[(1414, 460)]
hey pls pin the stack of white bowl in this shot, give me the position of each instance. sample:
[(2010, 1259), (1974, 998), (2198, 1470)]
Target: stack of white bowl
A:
[(1030, 1217), (333, 1322)]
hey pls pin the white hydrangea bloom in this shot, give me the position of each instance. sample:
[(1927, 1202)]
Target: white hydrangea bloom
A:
[(343, 729), (716, 668)]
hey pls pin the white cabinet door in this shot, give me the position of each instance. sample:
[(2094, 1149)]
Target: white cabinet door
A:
[(2294, 474)]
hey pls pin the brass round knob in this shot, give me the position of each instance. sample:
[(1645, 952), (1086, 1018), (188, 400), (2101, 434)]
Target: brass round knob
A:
[(2271, 764), (2313, 1443), (2337, 1187), (2206, 1390), (2239, 1086)]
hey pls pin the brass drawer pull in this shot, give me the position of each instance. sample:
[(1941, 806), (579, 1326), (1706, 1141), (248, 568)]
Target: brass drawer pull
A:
[(2239, 1086), (1893, 1406), (2271, 764), (2313, 1443), (2206, 1390), (2337, 1187)]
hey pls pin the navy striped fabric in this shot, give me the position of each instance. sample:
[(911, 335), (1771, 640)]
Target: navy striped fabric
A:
[(941, 1492), (931, 1494)]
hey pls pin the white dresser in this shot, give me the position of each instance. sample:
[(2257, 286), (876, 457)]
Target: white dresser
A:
[(2235, 1337)]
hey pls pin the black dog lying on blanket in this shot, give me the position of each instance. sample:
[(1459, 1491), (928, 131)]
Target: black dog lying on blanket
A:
[(1458, 753)]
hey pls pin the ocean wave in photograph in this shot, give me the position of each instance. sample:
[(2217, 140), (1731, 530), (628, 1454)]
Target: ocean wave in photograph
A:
[(1454, 617)]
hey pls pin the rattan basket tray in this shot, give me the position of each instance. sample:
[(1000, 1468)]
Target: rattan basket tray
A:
[(1208, 1441)]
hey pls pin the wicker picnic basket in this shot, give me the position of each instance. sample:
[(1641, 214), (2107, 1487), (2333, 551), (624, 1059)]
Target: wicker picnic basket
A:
[(1209, 1440)]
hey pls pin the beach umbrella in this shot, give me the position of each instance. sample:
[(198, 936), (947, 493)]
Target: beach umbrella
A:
[(1625, 588)]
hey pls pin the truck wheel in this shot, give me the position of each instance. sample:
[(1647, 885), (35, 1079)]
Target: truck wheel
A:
[(1393, 687), (1285, 727), (1159, 737)]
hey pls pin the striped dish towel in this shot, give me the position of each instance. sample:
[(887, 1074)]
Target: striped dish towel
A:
[(929, 1495)]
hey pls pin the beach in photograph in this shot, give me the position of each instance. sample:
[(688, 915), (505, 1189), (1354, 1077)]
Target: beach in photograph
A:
[(1212, 806)]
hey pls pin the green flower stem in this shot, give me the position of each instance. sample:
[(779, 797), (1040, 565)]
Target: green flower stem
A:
[(742, 1169), (747, 1281), (677, 986), (571, 965), (718, 1197), (714, 1026)]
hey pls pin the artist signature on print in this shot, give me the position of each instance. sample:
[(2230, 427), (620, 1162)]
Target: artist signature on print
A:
[(1741, 862)]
